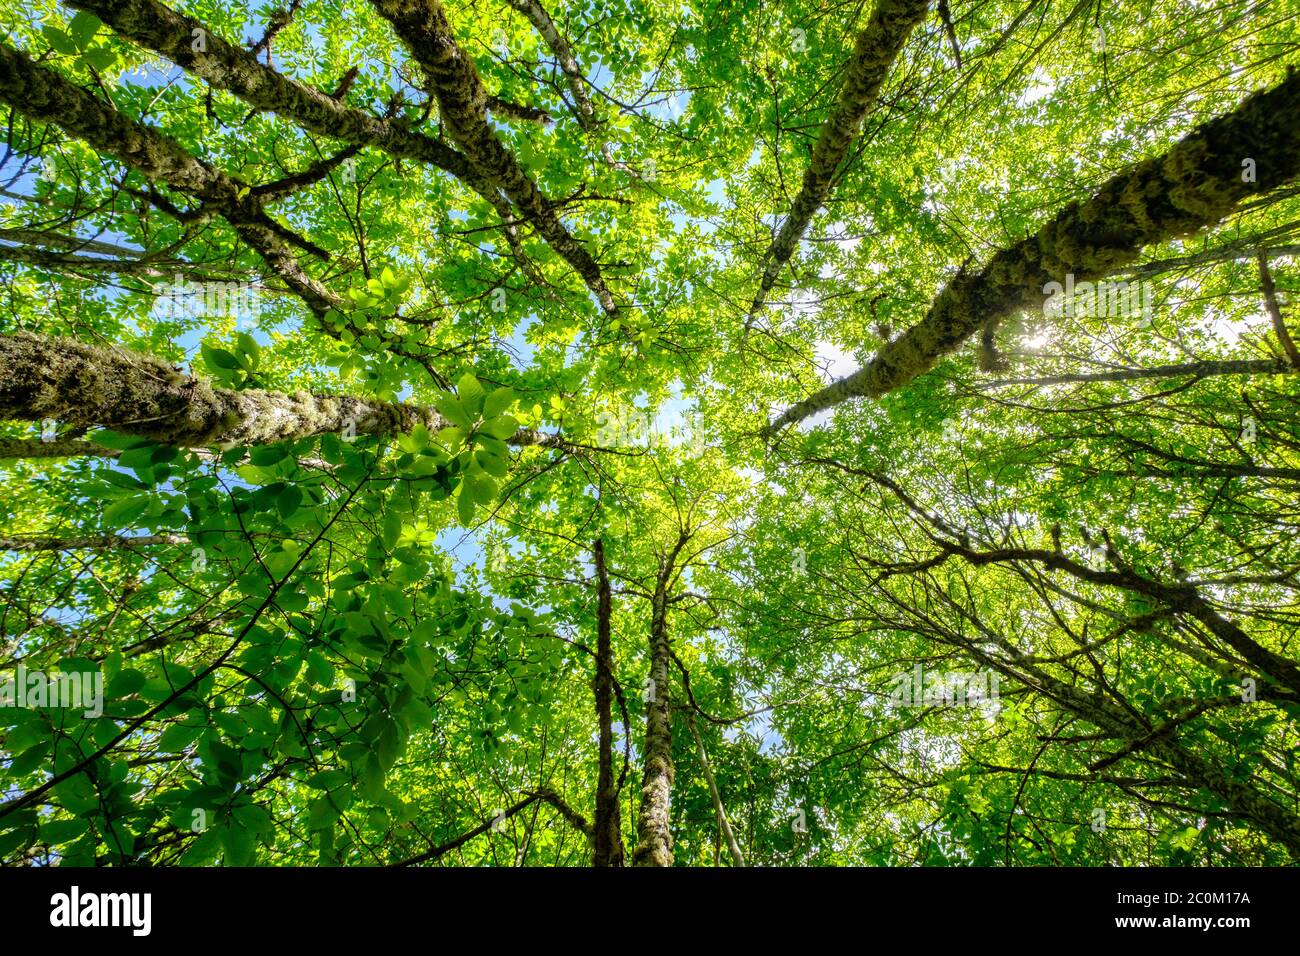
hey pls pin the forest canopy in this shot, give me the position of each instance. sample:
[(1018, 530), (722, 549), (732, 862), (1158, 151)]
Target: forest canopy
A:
[(515, 433)]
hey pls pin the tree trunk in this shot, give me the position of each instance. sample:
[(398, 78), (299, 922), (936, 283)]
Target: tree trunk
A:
[(1194, 185), (878, 45), (655, 840), (724, 825), (47, 97), (655, 836), (229, 67), (44, 377), (462, 103), (607, 835)]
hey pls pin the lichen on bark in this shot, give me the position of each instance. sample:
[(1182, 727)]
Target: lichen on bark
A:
[(1192, 186), (43, 377), (47, 377), (424, 28), (877, 46)]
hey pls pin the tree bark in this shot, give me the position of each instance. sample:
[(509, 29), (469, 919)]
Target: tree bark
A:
[(45, 96), (655, 836), (462, 102), (1201, 369), (95, 542), (236, 70), (607, 834), (542, 22), (873, 55), (724, 825), (1192, 186), (43, 377), (55, 448)]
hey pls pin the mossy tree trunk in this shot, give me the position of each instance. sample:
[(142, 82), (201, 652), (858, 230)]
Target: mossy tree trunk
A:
[(878, 45), (1194, 185), (44, 377)]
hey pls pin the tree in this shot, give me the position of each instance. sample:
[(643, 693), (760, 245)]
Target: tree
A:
[(644, 434)]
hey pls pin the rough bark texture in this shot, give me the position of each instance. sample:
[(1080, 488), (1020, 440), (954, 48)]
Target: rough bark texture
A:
[(237, 70), (655, 838), (43, 377), (542, 22), (607, 835), (519, 111), (1269, 288), (56, 448), (873, 55), (462, 102), (654, 828), (44, 95), (1194, 185), (95, 542), (570, 815), (229, 67)]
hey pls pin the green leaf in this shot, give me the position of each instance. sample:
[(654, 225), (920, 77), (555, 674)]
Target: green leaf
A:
[(501, 428), (481, 488), (249, 350), (219, 359), (392, 529), (124, 684), (112, 439), (254, 818), (263, 455), (389, 746), (452, 410), (239, 844), (179, 737), (83, 28), (471, 393), (29, 759), (56, 832), (498, 402), (319, 671), (100, 57), (328, 779), (288, 500), (452, 438), (123, 480), (321, 813), (465, 505), (123, 513), (58, 40), (493, 465)]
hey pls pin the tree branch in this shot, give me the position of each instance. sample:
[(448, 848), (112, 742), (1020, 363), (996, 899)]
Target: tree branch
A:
[(1192, 186), (423, 27), (43, 377), (877, 47)]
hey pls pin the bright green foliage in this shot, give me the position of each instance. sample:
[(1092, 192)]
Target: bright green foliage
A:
[(350, 650)]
